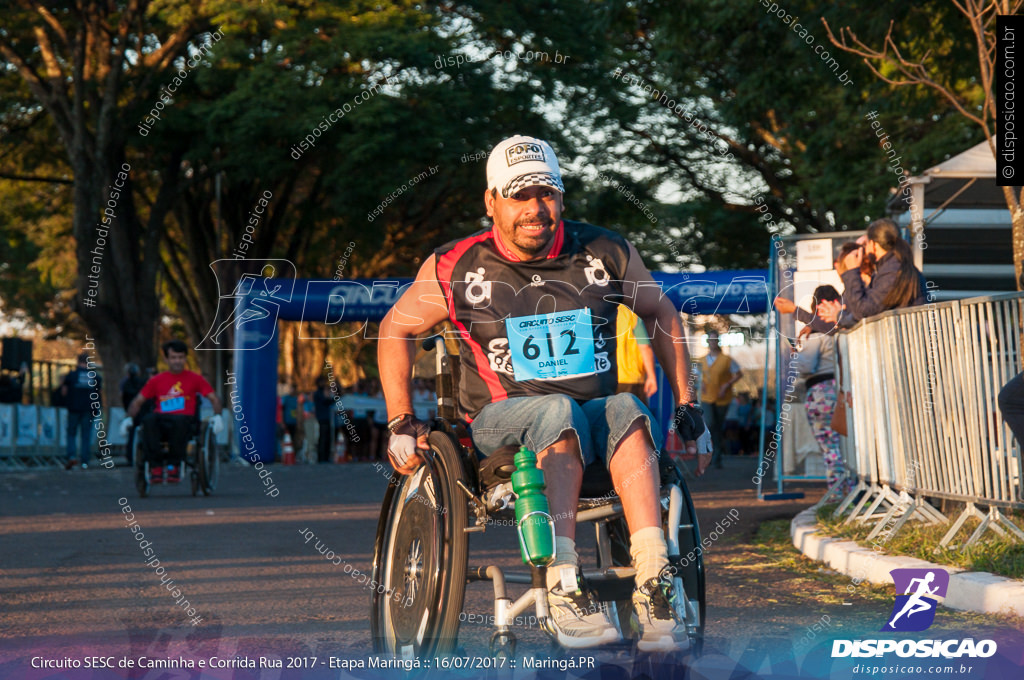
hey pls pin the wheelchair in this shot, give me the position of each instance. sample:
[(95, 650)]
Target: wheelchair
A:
[(201, 461), (421, 563)]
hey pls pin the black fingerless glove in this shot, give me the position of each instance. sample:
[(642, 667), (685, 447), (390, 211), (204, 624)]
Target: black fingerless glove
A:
[(689, 422), (408, 424)]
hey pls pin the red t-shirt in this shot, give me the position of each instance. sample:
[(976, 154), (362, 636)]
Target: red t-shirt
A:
[(175, 393)]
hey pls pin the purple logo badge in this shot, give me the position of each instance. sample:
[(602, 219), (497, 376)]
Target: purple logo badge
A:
[(914, 609)]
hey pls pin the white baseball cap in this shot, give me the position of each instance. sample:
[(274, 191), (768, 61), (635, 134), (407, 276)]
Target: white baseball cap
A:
[(519, 162)]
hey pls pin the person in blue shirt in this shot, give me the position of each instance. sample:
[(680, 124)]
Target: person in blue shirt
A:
[(323, 405), (290, 412), (79, 388)]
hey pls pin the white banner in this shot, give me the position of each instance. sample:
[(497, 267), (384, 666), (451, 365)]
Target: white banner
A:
[(62, 427), (28, 425), (7, 425), (48, 426), (117, 416)]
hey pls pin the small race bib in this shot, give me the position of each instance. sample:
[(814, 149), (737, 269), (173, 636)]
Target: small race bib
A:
[(551, 346), (172, 404)]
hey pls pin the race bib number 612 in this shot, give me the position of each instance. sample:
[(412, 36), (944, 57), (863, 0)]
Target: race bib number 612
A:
[(551, 346)]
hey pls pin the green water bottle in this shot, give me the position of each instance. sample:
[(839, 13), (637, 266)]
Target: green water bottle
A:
[(533, 517)]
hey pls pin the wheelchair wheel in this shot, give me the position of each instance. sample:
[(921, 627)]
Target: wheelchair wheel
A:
[(690, 563), (420, 558), (208, 462), (141, 467)]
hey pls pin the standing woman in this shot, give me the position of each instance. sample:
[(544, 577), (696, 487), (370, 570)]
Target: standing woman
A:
[(816, 365)]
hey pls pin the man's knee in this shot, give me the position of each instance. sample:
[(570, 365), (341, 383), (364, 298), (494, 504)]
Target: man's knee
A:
[(560, 413), (635, 445), (568, 442), (558, 407), (626, 401), (627, 415), (637, 432)]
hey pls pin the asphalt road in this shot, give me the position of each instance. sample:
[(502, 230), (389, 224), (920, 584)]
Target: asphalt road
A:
[(74, 582)]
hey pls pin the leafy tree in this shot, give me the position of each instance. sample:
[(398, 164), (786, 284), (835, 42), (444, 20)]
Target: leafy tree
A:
[(83, 68), (941, 69), (386, 175), (773, 125), (94, 74), (756, 113)]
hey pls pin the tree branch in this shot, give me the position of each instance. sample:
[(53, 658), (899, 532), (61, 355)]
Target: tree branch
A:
[(915, 72), (34, 178)]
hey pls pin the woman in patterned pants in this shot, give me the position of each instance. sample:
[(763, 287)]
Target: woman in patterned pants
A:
[(821, 404), (816, 364)]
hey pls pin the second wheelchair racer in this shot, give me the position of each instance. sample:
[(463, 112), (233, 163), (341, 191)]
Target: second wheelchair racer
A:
[(174, 393), (534, 301)]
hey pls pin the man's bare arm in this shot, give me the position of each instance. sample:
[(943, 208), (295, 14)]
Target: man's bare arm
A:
[(136, 404), (215, 402), (421, 307), (666, 333), (650, 375), (663, 327)]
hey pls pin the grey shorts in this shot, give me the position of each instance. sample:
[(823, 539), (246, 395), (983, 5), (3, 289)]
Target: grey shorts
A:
[(538, 422)]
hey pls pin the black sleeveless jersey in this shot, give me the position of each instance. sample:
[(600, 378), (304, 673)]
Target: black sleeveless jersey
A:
[(533, 328)]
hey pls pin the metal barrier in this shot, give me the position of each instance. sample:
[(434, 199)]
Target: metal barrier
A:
[(924, 418), (31, 436)]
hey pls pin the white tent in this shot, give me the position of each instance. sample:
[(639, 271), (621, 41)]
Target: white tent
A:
[(977, 161), (958, 200), (965, 181)]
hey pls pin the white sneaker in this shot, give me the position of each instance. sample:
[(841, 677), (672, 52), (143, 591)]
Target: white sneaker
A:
[(578, 620), (657, 618)]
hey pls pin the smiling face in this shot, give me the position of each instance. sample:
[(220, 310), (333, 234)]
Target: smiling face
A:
[(527, 221)]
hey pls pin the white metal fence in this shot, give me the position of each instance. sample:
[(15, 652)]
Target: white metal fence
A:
[(36, 436), (925, 420)]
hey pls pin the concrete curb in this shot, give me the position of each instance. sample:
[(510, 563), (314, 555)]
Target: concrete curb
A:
[(976, 591)]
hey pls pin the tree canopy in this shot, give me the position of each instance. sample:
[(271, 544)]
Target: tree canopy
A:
[(369, 124)]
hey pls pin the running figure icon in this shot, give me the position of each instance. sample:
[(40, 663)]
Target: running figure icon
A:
[(256, 295), (915, 604), (256, 309), (919, 588)]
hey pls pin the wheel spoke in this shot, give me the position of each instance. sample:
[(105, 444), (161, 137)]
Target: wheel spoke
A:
[(414, 568)]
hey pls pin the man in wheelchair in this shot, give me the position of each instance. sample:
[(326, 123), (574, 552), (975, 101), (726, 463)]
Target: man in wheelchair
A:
[(176, 410), (534, 304)]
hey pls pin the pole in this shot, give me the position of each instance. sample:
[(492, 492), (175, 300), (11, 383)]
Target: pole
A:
[(767, 356), (219, 381)]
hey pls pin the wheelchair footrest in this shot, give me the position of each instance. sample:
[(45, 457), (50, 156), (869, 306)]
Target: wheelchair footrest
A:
[(614, 583)]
